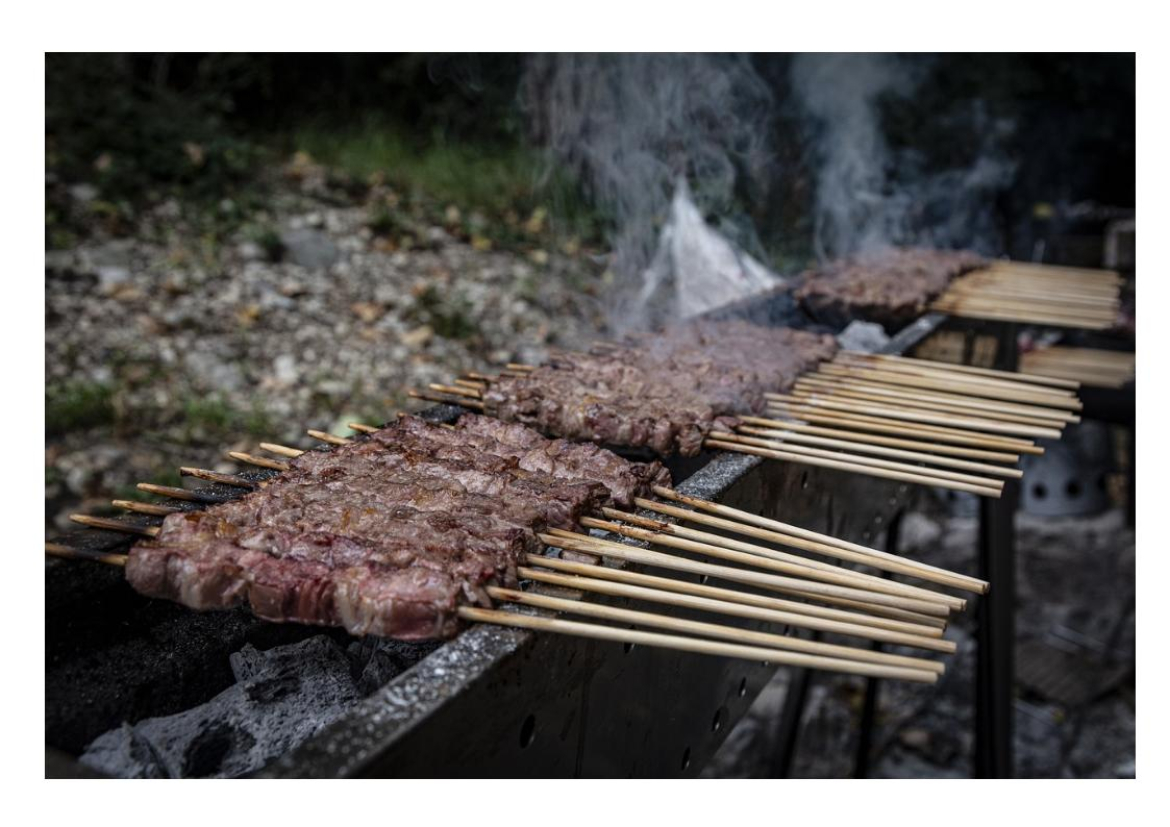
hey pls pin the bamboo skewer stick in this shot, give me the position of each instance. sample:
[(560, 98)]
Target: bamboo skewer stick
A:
[(361, 427), (1026, 317), (70, 553), (215, 476), (701, 629), (950, 420), (773, 582), (968, 386), (522, 368), (950, 401), (780, 606), (701, 541), (862, 438), (844, 393), (783, 534), (454, 390), (685, 644), (178, 493), (281, 450), (260, 462), (919, 430), (114, 525), (325, 436), (874, 462), (780, 438), (888, 358), (800, 443), (609, 588), (433, 397), (740, 516), (921, 599), (144, 508), (922, 479), (867, 425)]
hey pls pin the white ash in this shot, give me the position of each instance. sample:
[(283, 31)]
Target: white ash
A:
[(281, 697)]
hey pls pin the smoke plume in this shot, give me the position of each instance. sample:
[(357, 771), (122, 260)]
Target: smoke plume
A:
[(869, 196), (632, 126)]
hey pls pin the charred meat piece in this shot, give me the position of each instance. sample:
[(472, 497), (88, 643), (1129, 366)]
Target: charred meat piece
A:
[(892, 287), (386, 535)]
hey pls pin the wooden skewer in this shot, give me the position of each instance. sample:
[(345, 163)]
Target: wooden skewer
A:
[(619, 635), (780, 438), (789, 585), (1026, 317), (947, 366), (741, 516), (782, 533), (517, 366), (873, 439), (923, 369), (361, 427), (778, 560), (862, 422), (178, 493), (606, 587), (873, 462), (848, 395), (144, 508), (461, 401), (970, 423), (779, 605), (215, 476), (707, 630), (325, 436), (948, 401), (482, 377), (474, 385), (454, 390), (871, 470), (69, 553), (281, 450), (969, 386), (260, 462), (114, 525)]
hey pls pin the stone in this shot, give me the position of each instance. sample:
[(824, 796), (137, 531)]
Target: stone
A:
[(309, 248)]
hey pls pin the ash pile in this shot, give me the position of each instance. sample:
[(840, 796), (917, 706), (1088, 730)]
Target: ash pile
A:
[(1075, 705), (281, 698)]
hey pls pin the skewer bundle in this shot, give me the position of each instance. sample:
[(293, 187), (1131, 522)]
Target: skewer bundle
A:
[(769, 572), (1098, 368), (1036, 294), (911, 420)]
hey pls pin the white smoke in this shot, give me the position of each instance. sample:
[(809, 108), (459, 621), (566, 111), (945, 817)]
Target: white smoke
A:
[(868, 196), (633, 125)]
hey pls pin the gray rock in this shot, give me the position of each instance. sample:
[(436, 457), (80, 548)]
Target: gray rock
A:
[(284, 367), (111, 276), (309, 248), (83, 192), (214, 372)]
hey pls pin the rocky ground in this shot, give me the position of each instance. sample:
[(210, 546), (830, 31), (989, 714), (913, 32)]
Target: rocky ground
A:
[(1075, 593), (167, 346)]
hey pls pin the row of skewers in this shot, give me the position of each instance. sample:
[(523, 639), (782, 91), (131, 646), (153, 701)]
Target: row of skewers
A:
[(771, 570), (1015, 291), (931, 423)]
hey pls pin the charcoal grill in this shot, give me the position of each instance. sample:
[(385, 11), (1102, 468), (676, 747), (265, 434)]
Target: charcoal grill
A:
[(493, 701)]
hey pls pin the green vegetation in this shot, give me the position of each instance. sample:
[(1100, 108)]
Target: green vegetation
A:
[(213, 417), (450, 316), (73, 406)]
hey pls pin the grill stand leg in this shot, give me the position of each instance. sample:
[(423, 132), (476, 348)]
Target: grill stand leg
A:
[(788, 727), (872, 685), (996, 636)]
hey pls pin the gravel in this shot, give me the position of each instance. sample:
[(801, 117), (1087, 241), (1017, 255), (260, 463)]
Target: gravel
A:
[(202, 348)]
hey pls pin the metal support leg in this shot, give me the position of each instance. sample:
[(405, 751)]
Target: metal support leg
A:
[(996, 637), (788, 727), (872, 685)]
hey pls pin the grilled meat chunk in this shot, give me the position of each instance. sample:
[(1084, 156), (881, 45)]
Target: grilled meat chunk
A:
[(892, 287), (387, 535), (664, 392)]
